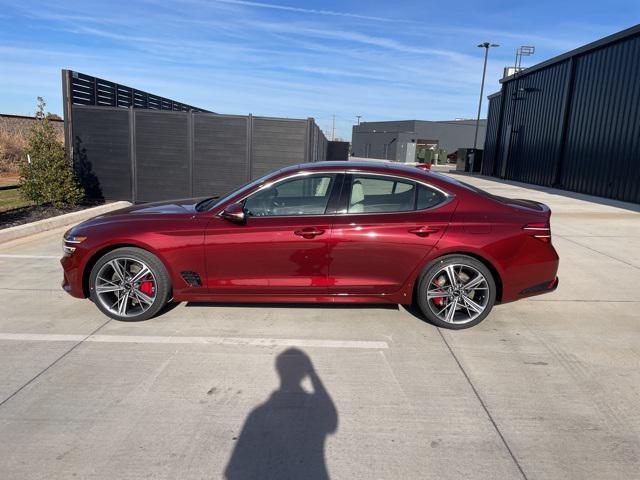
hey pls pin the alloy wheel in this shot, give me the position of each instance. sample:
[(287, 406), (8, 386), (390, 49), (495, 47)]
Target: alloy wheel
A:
[(126, 287), (458, 294)]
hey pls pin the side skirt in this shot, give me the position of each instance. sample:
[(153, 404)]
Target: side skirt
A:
[(394, 299)]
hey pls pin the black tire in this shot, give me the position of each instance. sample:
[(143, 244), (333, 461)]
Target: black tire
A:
[(162, 284), (428, 307)]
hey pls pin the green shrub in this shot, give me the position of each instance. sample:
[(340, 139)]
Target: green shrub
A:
[(49, 178)]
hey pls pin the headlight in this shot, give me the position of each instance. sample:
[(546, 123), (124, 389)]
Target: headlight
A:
[(69, 241)]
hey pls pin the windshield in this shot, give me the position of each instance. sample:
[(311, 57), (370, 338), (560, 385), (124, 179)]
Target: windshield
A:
[(213, 202)]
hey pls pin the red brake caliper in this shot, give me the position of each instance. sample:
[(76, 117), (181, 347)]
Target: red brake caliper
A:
[(147, 287), (438, 300)]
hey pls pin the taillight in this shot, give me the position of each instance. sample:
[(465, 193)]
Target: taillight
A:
[(540, 231)]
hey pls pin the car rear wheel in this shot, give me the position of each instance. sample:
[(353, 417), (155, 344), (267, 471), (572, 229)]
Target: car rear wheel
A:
[(129, 284), (456, 291)]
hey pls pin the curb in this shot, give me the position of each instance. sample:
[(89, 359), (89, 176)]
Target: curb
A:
[(13, 233)]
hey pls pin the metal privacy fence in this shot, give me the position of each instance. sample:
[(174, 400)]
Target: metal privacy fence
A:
[(83, 89), (128, 144), (572, 122), (148, 155)]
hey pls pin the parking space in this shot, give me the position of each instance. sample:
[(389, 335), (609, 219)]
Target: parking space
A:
[(544, 388)]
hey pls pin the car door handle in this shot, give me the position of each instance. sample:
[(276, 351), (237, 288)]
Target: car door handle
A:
[(424, 231), (309, 232)]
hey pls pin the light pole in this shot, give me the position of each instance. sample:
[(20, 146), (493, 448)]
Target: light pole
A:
[(523, 51), (486, 46)]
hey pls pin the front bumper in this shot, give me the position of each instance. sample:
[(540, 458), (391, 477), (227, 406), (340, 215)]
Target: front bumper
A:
[(72, 276)]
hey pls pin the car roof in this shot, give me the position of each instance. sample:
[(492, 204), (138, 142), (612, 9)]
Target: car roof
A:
[(373, 166), (443, 182), (380, 167)]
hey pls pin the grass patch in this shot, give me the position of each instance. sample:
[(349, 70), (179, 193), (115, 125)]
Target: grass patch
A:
[(9, 180), (10, 199)]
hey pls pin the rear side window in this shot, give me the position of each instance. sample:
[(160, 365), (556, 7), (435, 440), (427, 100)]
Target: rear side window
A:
[(371, 194), (428, 197)]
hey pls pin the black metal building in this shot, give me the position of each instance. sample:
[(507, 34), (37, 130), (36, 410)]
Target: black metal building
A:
[(127, 144), (572, 122)]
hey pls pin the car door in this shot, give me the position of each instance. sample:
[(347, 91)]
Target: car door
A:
[(386, 227), (282, 247)]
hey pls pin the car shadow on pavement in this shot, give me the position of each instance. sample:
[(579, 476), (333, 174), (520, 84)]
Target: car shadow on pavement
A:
[(415, 311), (314, 306), (170, 305), (284, 437)]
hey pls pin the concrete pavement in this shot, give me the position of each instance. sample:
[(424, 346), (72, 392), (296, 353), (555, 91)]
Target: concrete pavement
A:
[(544, 388)]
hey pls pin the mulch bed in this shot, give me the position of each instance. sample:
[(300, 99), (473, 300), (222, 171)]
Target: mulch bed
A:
[(20, 216)]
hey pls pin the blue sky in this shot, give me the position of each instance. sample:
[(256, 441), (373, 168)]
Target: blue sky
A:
[(382, 60)]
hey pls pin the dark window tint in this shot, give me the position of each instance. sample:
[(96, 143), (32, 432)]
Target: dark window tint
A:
[(428, 197), (380, 194), (307, 195)]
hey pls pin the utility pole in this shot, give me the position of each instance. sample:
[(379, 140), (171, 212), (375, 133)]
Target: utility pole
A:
[(333, 128), (486, 46), (358, 117)]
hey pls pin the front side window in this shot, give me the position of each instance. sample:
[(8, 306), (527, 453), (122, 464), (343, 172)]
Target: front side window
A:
[(370, 194), (213, 202), (308, 195)]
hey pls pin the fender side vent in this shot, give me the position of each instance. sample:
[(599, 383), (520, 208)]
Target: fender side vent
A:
[(192, 279)]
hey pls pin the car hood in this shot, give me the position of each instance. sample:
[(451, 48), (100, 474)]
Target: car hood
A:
[(185, 205), (170, 209)]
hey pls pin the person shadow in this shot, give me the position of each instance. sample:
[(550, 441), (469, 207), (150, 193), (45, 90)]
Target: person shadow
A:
[(284, 438)]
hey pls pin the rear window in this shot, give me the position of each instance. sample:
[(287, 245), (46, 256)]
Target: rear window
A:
[(459, 183)]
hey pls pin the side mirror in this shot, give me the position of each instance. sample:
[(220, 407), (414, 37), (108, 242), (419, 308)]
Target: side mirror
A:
[(234, 213)]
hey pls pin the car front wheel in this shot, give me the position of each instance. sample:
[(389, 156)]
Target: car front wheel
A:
[(456, 291), (129, 284)]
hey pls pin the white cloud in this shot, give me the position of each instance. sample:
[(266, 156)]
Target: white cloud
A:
[(311, 11)]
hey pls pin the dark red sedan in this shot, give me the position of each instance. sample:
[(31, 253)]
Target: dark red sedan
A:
[(346, 232)]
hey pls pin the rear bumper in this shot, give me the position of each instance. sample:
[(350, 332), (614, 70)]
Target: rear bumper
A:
[(546, 287), (537, 275)]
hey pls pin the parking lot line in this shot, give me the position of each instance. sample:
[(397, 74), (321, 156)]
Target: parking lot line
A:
[(483, 404), (7, 255), (79, 341), (236, 341)]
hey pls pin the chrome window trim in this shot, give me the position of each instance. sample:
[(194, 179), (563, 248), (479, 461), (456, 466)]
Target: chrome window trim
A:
[(448, 196)]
